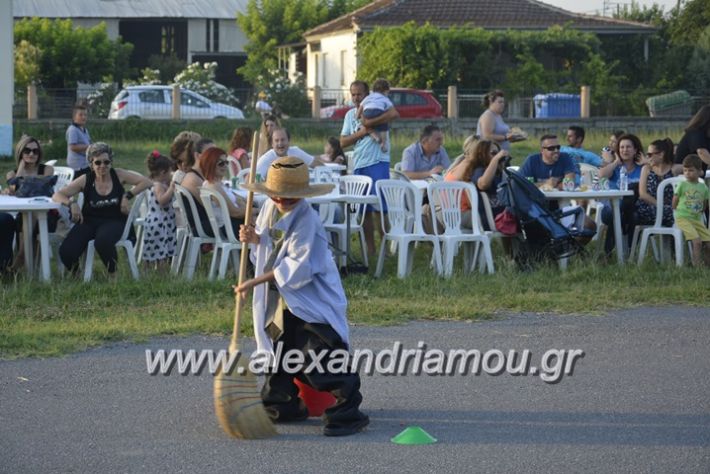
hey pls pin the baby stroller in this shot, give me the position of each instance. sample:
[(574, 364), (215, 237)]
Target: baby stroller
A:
[(542, 236)]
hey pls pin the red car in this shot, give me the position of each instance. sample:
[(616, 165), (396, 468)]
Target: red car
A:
[(410, 103)]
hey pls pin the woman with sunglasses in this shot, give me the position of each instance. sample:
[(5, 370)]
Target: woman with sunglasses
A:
[(214, 162), (106, 206), (481, 165), (28, 154), (659, 167), (630, 158)]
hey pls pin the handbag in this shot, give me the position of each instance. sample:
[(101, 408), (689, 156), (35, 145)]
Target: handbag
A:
[(33, 186), (506, 223)]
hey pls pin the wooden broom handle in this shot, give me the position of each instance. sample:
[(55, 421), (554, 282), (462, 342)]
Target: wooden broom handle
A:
[(244, 254)]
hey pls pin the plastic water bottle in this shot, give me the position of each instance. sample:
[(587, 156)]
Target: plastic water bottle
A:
[(623, 180)]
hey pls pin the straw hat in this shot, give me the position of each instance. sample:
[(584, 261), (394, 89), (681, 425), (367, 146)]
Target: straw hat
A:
[(262, 95), (288, 178)]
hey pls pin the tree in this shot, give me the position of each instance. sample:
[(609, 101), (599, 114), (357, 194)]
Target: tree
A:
[(690, 22), (699, 65), (68, 55), (27, 58), (270, 23)]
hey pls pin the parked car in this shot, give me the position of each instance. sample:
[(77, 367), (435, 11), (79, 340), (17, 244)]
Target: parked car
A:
[(156, 102), (410, 103)]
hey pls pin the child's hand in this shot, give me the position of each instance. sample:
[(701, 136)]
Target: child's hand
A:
[(243, 289), (247, 234)]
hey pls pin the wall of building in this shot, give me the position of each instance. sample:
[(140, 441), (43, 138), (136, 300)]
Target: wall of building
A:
[(336, 62)]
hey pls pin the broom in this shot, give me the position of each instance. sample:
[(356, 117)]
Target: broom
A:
[(237, 401)]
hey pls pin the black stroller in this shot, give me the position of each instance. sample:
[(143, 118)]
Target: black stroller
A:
[(542, 236)]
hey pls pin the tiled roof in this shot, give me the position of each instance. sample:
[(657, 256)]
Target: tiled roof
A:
[(488, 14)]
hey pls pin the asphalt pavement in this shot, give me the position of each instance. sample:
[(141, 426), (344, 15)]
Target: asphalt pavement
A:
[(637, 401)]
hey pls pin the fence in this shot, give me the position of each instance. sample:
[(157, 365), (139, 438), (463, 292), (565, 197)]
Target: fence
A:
[(58, 103)]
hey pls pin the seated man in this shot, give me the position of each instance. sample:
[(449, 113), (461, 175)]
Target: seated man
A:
[(426, 157), (548, 168), (575, 138), (281, 146)]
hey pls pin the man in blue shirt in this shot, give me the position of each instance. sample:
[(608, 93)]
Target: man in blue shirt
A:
[(549, 167), (368, 157), (426, 157)]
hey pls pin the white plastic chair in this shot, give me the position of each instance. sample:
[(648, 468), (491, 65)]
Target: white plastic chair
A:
[(233, 167), (445, 198), (398, 196), (225, 245), (64, 174), (50, 162), (658, 229), (197, 236), (488, 215), (242, 176), (325, 174), (181, 235), (123, 242), (357, 186)]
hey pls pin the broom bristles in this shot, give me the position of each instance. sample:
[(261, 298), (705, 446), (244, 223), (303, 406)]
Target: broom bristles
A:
[(238, 405)]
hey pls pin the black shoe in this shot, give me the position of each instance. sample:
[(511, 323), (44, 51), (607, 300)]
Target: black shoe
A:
[(286, 417), (346, 429)]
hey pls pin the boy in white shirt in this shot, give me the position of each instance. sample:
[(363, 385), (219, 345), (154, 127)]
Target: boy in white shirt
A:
[(299, 301)]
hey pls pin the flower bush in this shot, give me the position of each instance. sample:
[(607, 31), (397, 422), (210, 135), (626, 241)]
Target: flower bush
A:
[(200, 78)]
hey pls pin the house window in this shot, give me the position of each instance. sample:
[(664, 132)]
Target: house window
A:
[(342, 67), (167, 39), (212, 36)]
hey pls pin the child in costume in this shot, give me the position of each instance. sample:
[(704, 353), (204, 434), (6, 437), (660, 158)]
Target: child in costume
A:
[(299, 299), (690, 201)]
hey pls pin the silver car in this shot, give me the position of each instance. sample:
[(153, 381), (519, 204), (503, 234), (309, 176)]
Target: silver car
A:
[(156, 102)]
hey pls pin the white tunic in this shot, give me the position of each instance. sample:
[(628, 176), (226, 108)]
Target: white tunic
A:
[(305, 273)]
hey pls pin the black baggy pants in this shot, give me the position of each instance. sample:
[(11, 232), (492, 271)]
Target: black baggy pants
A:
[(281, 394)]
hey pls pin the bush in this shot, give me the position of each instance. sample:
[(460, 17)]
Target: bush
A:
[(200, 78), (287, 98)]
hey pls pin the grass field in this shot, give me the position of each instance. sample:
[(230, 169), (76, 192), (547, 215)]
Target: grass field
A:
[(48, 320)]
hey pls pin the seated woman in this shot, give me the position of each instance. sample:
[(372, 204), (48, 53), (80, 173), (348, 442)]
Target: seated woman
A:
[(214, 164), (481, 165), (28, 155), (239, 148), (660, 167), (333, 152), (629, 157), (106, 206), (181, 152), (193, 180)]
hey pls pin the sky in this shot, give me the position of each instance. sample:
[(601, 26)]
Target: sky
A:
[(596, 6)]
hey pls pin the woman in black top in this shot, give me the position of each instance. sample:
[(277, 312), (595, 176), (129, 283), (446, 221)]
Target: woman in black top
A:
[(696, 139), (106, 205)]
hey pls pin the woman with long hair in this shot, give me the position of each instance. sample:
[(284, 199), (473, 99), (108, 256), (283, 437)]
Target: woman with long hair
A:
[(239, 148), (481, 165)]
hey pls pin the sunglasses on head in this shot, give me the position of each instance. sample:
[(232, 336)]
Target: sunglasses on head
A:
[(101, 162), (552, 148), (30, 151)]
